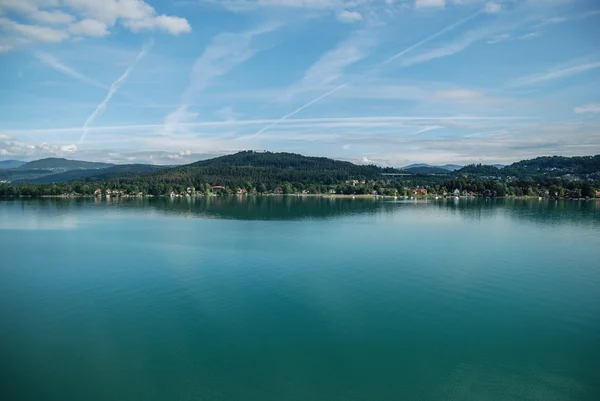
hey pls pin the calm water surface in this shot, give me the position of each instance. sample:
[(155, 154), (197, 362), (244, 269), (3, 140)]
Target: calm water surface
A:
[(284, 298)]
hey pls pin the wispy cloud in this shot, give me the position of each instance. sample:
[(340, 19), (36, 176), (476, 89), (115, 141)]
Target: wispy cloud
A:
[(499, 38), (430, 3), (332, 65), (390, 59), (448, 49), (57, 65), (349, 16), (558, 73), (223, 54), (531, 35), (588, 108), (114, 87)]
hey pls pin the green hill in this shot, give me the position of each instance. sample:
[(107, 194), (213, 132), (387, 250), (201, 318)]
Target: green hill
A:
[(555, 166), (11, 163), (60, 164), (427, 170), (94, 175), (265, 167), (548, 167), (38, 169)]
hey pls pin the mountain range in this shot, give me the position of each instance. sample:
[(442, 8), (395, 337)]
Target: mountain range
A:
[(281, 167)]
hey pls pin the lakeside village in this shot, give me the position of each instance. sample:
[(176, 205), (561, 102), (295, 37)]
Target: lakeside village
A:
[(351, 188)]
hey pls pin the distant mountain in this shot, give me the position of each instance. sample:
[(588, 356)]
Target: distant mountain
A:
[(427, 170), (416, 165), (59, 164), (11, 163), (40, 168), (547, 166), (93, 175), (451, 167), (448, 167)]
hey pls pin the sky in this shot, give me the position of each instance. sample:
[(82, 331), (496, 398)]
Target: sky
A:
[(388, 82)]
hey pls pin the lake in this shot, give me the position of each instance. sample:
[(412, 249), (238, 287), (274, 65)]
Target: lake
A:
[(291, 298)]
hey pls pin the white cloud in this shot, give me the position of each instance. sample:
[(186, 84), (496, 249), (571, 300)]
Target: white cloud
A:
[(95, 18), (558, 73), (10, 146), (492, 8), (173, 25), (134, 14), (52, 17), (349, 16), (430, 3), (89, 27), (249, 5), (589, 108), (4, 48), (35, 33)]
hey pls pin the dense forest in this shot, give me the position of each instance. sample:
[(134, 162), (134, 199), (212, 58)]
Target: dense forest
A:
[(267, 172)]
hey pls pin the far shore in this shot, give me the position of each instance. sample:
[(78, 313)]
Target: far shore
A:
[(331, 196)]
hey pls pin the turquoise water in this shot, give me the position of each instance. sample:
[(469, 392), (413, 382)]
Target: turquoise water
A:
[(285, 298)]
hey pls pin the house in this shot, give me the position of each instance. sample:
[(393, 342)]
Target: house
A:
[(189, 190), (419, 191), (278, 191), (242, 191), (457, 192), (218, 188), (108, 192), (172, 194), (598, 193), (98, 192), (305, 192), (332, 191), (353, 182)]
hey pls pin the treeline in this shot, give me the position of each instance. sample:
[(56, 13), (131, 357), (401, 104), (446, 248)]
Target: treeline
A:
[(554, 166), (473, 186), (266, 172)]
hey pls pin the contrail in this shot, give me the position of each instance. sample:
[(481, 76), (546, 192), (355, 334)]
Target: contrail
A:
[(113, 89), (55, 64), (395, 56)]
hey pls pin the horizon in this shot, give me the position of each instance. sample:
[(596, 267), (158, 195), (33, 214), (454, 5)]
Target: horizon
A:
[(263, 151), (390, 83)]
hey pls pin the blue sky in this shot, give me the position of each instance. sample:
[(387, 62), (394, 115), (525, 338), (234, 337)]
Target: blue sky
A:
[(370, 81)]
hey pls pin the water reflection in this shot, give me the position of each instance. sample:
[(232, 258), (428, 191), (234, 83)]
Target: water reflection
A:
[(312, 207)]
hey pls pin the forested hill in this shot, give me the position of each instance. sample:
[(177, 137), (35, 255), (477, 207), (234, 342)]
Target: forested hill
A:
[(60, 164), (252, 159), (555, 166), (548, 166), (268, 168)]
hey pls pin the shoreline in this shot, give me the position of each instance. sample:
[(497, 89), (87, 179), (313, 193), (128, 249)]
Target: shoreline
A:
[(331, 196)]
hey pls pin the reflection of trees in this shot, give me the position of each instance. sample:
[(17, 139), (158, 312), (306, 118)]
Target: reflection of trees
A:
[(542, 212), (312, 207)]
